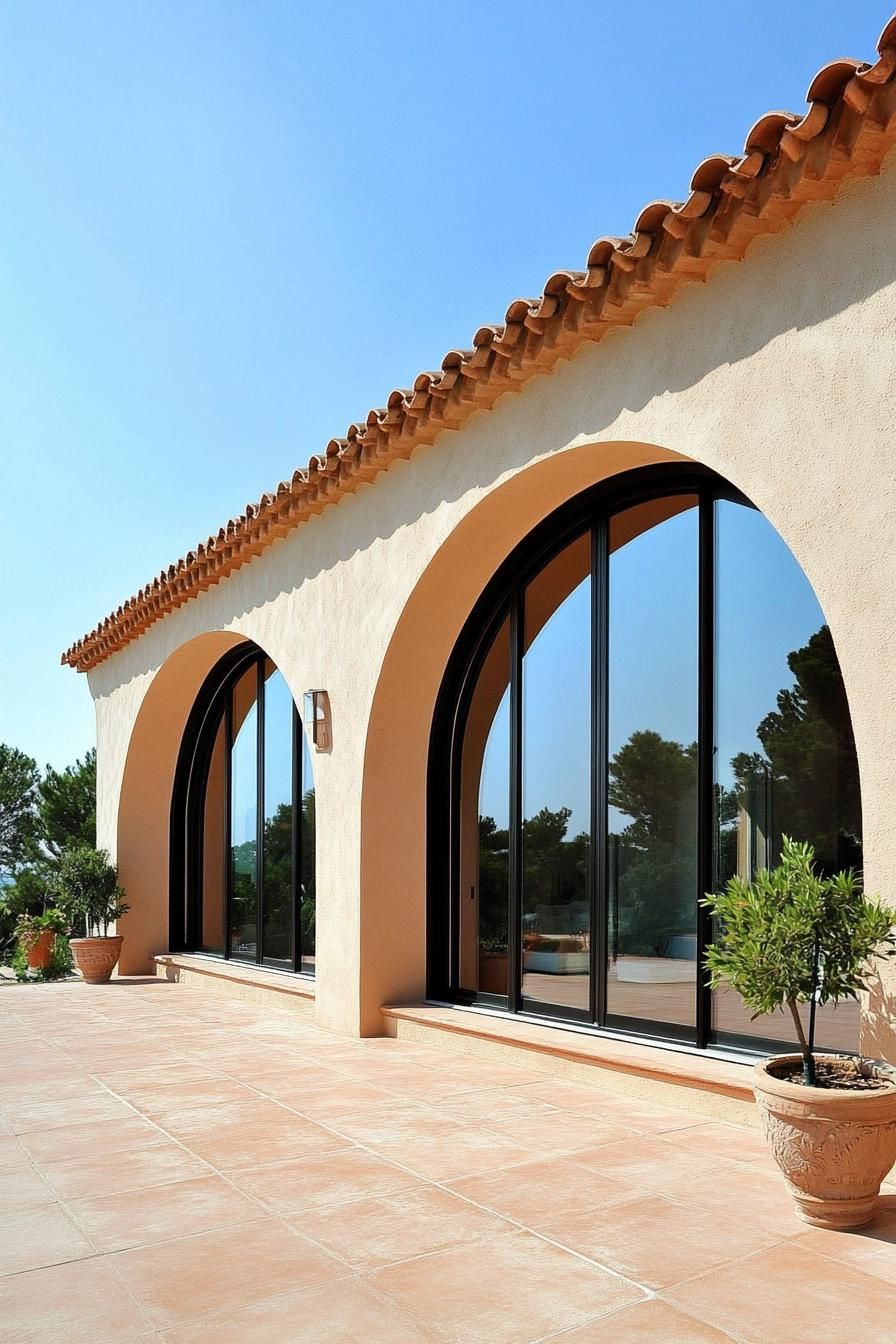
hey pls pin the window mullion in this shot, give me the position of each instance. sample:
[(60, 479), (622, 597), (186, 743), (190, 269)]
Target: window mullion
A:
[(705, 753), (515, 856), (259, 812), (599, 701)]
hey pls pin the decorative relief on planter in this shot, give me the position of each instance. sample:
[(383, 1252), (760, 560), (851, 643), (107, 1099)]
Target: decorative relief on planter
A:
[(834, 1146)]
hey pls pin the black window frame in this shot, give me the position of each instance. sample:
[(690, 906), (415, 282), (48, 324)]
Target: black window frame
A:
[(503, 597), (212, 707)]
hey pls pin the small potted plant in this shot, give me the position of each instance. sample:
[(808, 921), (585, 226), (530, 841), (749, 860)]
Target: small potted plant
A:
[(87, 889), (36, 936), (792, 937)]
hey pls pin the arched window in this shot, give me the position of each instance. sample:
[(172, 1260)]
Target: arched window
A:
[(243, 821), (644, 702)]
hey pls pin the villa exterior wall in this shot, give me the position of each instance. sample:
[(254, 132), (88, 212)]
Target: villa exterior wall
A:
[(779, 374)]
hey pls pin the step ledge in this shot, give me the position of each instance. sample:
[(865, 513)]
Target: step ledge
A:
[(662, 1063), (264, 977)]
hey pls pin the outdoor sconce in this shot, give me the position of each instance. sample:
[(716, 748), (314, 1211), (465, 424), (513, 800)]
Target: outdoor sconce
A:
[(317, 715)]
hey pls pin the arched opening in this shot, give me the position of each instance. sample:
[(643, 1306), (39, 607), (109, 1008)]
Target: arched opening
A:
[(644, 701), (242, 858)]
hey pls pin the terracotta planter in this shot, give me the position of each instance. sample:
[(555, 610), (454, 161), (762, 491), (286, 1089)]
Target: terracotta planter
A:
[(40, 953), (834, 1146), (96, 958), (493, 972)]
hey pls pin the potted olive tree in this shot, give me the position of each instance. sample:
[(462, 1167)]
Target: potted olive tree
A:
[(86, 887), (787, 938)]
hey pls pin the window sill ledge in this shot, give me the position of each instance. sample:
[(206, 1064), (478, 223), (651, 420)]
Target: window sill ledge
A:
[(255, 983), (575, 1053)]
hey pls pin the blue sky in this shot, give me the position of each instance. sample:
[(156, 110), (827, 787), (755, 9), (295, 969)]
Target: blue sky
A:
[(230, 228)]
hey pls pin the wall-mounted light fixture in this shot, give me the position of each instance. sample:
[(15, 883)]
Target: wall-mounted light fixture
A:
[(317, 717)]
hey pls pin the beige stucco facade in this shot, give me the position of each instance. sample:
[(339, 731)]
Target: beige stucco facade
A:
[(779, 374)]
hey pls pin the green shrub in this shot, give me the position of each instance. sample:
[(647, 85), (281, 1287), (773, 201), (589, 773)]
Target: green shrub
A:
[(86, 887), (790, 936)]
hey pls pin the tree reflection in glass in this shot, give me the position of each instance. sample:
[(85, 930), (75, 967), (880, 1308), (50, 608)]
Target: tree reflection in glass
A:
[(307, 885), (243, 818), (556, 694), (277, 903), (485, 813), (652, 769), (784, 749)]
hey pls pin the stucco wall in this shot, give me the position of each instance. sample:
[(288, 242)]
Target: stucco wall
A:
[(779, 374)]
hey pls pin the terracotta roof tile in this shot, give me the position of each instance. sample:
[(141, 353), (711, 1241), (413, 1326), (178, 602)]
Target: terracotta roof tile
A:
[(788, 160)]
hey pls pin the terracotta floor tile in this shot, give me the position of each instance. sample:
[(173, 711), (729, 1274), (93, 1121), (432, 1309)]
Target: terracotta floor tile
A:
[(34, 1238), (315, 1182), (248, 1133), (743, 1143), (789, 1294), (159, 1101), (377, 1232), (135, 1082), (22, 1187), (51, 1086), (651, 1322), (393, 1121), (447, 1157), (12, 1155), (543, 1191), (493, 1105), (757, 1193), (92, 1108), (326, 1100), (101, 1136), (655, 1242), (215, 1273), (871, 1248), (561, 1132), (510, 1290), (349, 1312), (651, 1162), (486, 1072), (115, 1173), (162, 1213), (560, 1092), (81, 1302), (633, 1112)]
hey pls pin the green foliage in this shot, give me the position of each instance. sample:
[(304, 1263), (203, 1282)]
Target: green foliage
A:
[(66, 806), (807, 742), (767, 930), (650, 778), (19, 780), (39, 819), (29, 927), (653, 781), (85, 886), (61, 964)]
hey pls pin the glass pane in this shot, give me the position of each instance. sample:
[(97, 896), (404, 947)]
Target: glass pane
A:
[(652, 770), (243, 817), (277, 904), (484, 825), (214, 847), (307, 891), (785, 755), (556, 688)]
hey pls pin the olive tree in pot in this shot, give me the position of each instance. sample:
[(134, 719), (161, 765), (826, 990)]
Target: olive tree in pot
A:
[(86, 887), (792, 937)]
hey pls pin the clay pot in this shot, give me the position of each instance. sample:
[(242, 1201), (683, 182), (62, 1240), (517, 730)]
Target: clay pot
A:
[(493, 972), (96, 958), (40, 953), (834, 1146)]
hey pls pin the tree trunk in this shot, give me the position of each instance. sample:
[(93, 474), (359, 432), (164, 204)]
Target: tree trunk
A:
[(808, 1060)]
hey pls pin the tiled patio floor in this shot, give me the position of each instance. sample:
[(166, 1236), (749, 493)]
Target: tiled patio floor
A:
[(180, 1167)]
